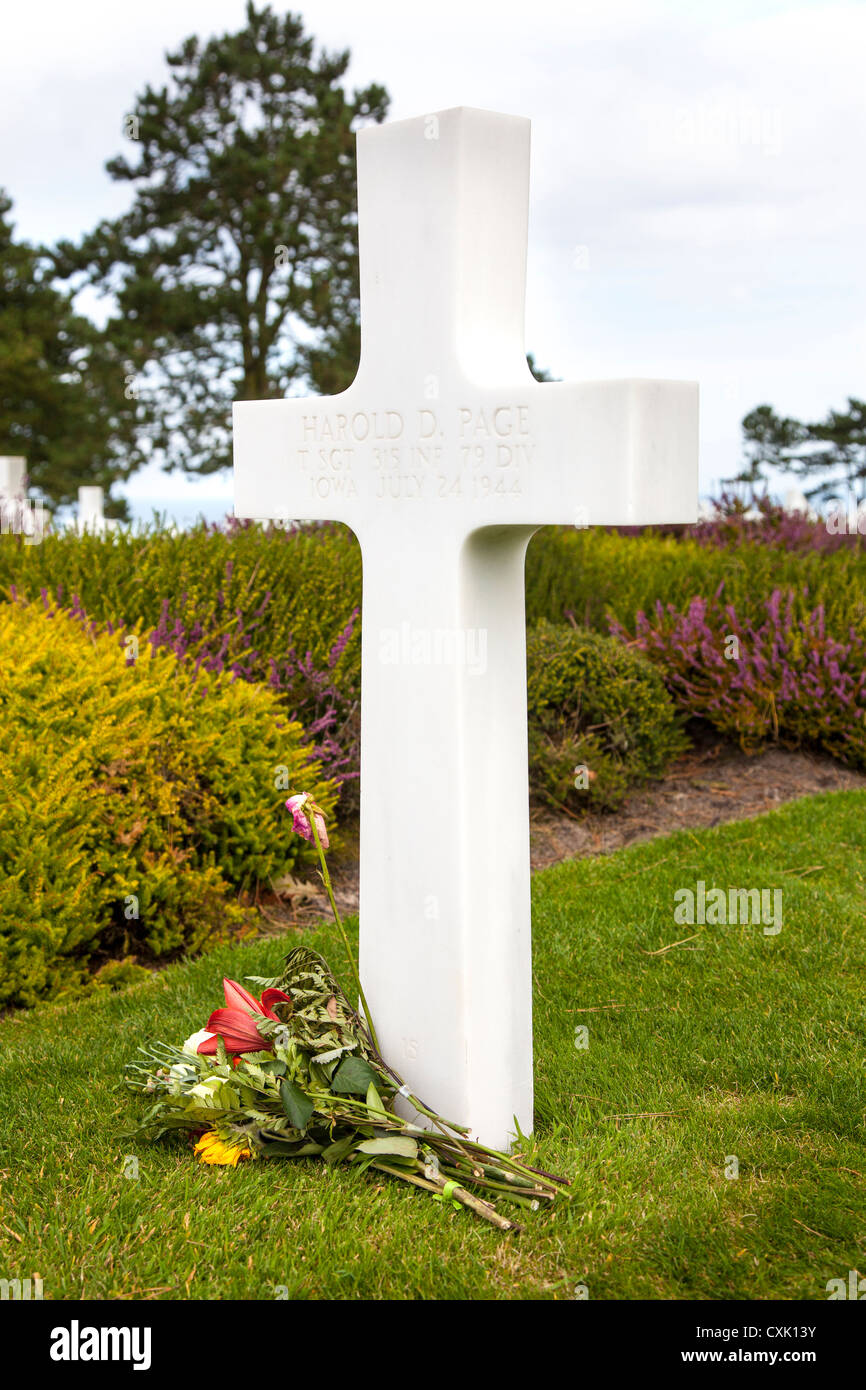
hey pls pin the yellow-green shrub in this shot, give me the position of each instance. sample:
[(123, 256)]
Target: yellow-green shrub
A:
[(136, 801)]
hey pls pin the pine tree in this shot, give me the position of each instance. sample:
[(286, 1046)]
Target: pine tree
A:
[(235, 270), (831, 451), (839, 452), (769, 441), (540, 373), (62, 393)]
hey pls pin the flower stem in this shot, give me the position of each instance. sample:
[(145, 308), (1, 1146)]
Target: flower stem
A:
[(467, 1199), (326, 879)]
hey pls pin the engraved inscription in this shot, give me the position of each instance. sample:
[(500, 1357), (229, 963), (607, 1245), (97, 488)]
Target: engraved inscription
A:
[(427, 454)]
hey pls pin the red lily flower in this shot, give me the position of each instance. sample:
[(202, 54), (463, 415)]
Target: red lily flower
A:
[(235, 1026)]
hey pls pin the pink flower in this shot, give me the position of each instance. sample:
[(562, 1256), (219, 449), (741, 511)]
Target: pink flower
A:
[(300, 823)]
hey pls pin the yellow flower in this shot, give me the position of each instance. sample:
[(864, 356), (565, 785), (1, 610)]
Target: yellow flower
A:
[(211, 1149)]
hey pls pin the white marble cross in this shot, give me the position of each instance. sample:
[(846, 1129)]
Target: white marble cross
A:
[(13, 473), (19, 514), (90, 509), (443, 456), (91, 512)]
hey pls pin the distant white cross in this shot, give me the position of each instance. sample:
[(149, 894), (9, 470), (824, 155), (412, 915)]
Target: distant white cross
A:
[(91, 514), (13, 475), (444, 456), (19, 514)]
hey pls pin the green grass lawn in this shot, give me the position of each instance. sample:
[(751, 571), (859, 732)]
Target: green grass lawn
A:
[(739, 1043)]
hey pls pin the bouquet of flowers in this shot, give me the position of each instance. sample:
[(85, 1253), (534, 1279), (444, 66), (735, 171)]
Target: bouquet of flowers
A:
[(297, 1073)]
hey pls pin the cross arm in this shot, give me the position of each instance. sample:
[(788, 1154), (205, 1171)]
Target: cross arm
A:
[(615, 453), (297, 459)]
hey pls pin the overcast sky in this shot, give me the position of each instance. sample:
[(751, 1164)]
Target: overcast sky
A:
[(697, 204)]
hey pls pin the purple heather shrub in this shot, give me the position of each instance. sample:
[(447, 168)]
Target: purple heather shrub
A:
[(776, 528), (314, 697), (783, 678)]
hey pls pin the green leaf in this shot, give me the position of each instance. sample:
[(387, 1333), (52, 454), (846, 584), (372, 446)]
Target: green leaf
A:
[(374, 1100), (335, 1153), (321, 1075), (282, 1148), (323, 1058), (353, 1077), (397, 1144), (297, 1106)]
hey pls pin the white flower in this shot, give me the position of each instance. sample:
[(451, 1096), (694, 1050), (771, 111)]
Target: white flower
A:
[(180, 1075), (205, 1089), (192, 1042)]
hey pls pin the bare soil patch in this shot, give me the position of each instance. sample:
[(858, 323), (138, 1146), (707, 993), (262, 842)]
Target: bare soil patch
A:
[(714, 782), (707, 786)]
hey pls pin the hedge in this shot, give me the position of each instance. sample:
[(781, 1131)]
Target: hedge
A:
[(280, 608), (304, 583), (595, 575), (309, 580), (138, 799), (594, 704)]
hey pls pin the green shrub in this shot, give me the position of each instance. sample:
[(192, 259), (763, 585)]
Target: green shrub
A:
[(594, 703), (137, 800), (311, 580), (274, 591), (597, 574)]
